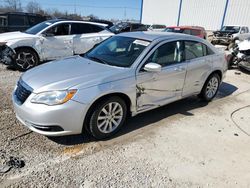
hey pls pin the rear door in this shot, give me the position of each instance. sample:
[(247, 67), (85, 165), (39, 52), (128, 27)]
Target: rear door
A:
[(86, 36), (199, 60)]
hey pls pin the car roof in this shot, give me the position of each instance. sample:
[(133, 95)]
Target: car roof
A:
[(74, 21), (187, 27), (151, 36)]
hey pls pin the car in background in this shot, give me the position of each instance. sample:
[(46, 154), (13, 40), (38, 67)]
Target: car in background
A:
[(156, 27), (19, 21), (228, 34), (109, 23), (50, 40), (189, 30), (127, 74), (127, 27)]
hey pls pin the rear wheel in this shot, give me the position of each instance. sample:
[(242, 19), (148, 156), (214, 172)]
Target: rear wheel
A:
[(25, 59), (107, 117), (210, 87)]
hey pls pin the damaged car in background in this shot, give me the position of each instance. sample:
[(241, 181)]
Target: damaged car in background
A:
[(227, 35), (127, 74), (239, 55), (50, 40)]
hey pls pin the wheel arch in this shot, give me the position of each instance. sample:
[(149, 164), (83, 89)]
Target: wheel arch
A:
[(30, 48), (219, 72), (123, 96)]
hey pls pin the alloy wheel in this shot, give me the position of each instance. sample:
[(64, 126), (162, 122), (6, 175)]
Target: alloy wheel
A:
[(212, 87), (25, 60), (110, 117)]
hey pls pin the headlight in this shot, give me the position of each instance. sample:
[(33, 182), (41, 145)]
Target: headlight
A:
[(53, 97)]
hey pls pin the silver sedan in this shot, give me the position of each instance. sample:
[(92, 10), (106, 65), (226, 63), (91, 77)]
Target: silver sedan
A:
[(127, 74)]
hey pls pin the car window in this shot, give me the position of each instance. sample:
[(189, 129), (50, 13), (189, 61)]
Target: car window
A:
[(194, 50), (187, 31), (3, 21), (18, 20), (209, 51), (195, 32), (138, 27), (59, 30), (167, 54), (84, 28)]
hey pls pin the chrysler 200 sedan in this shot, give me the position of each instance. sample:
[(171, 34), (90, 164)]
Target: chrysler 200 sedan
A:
[(127, 74)]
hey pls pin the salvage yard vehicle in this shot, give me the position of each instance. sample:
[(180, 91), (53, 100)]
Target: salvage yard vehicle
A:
[(156, 27), (239, 55), (228, 34), (50, 40), (127, 27), (189, 30), (127, 74), (19, 21)]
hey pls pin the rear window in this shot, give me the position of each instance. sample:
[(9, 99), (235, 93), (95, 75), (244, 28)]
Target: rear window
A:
[(195, 49), (195, 32)]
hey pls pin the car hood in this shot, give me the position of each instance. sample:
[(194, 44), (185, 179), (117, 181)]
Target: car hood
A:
[(73, 72), (5, 37)]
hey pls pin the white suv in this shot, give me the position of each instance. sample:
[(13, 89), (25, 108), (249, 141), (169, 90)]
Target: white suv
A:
[(50, 40)]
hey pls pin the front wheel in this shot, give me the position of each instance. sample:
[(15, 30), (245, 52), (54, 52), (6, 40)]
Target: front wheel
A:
[(25, 59), (210, 87), (107, 117)]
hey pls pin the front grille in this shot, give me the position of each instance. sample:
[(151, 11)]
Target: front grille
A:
[(22, 91)]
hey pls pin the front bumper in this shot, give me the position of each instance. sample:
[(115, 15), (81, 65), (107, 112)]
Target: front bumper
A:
[(7, 55), (58, 120)]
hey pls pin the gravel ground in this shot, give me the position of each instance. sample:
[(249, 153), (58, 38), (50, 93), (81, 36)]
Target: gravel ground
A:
[(184, 144)]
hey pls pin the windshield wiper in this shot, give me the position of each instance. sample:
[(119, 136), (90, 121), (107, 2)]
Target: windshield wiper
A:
[(97, 59)]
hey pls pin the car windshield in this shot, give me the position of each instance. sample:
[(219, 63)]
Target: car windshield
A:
[(231, 28), (37, 28), (118, 51)]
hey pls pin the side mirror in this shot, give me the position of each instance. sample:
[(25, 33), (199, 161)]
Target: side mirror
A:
[(152, 67)]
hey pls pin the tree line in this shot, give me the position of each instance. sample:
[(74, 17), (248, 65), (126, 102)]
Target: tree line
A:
[(35, 7)]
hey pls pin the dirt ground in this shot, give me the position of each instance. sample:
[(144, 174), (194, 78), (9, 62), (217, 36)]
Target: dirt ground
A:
[(185, 144)]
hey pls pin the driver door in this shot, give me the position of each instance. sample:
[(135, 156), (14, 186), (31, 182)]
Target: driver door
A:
[(159, 88), (57, 42)]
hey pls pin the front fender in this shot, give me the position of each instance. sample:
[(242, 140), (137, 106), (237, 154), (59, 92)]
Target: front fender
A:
[(91, 94), (29, 43)]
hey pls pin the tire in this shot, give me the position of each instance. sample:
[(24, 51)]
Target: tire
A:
[(210, 87), (231, 61), (213, 42), (111, 113), (25, 59)]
